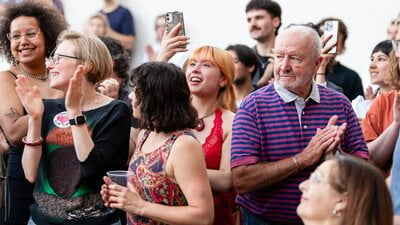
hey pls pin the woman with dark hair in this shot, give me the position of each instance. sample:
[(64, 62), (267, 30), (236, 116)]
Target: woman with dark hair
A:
[(382, 121), (28, 34), (378, 71), (345, 190), (170, 184)]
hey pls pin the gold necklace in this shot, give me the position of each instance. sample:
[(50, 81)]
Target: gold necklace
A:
[(42, 78)]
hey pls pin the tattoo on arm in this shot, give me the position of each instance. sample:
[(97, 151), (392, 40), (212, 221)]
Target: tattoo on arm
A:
[(13, 113)]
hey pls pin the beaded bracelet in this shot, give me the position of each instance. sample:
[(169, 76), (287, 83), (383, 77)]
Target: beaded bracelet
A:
[(35, 143)]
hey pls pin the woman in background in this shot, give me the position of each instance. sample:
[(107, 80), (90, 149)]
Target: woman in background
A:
[(345, 190), (378, 71), (382, 121), (97, 25)]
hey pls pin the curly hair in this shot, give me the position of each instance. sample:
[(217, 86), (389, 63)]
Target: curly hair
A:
[(163, 98), (50, 20), (119, 55), (393, 78)]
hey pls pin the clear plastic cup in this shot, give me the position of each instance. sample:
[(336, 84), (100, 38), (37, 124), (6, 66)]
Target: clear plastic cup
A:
[(120, 176)]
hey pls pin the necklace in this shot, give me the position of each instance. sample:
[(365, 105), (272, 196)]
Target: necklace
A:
[(200, 123), (37, 77)]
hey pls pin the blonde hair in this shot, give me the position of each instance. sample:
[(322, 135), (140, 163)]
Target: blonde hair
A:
[(224, 61), (103, 19), (91, 50)]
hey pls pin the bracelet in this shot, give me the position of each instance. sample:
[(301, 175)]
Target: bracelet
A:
[(297, 163), (34, 143)]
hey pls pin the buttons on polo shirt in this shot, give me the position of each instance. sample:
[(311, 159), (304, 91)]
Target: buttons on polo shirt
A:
[(305, 126), (303, 113)]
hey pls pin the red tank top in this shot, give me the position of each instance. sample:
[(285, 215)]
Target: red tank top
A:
[(212, 147)]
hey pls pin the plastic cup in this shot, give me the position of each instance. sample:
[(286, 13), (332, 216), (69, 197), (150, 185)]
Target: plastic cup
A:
[(120, 177)]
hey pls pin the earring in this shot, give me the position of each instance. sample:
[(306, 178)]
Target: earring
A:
[(337, 212)]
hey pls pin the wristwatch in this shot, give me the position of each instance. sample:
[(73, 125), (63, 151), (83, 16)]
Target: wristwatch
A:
[(78, 120)]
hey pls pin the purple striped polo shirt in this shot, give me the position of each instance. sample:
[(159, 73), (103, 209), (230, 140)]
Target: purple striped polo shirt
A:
[(266, 129)]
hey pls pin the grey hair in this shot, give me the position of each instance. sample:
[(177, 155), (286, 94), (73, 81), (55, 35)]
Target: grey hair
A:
[(307, 31)]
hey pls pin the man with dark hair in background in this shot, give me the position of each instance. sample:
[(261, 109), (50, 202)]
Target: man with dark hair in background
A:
[(245, 68), (264, 20)]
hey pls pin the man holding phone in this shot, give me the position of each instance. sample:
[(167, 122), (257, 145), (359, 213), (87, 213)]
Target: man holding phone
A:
[(333, 70)]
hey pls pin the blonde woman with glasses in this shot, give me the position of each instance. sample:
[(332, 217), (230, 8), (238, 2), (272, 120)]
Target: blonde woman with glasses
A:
[(71, 143)]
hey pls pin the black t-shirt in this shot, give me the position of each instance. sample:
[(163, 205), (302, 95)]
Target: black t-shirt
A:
[(347, 79)]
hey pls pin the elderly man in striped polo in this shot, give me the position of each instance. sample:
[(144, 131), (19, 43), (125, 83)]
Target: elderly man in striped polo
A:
[(282, 132)]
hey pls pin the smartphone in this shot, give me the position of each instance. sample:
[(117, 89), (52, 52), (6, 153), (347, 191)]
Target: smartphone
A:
[(172, 19), (331, 27)]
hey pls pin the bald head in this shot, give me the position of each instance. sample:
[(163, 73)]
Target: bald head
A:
[(303, 35)]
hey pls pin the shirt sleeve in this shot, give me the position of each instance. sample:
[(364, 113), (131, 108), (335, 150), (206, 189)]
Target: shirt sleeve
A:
[(395, 182), (370, 125), (246, 141), (111, 142)]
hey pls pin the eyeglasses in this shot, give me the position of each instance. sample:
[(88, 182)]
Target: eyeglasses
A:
[(16, 36), (55, 60), (317, 178), (396, 46)]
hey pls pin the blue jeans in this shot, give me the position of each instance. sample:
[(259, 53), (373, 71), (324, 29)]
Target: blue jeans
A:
[(395, 181)]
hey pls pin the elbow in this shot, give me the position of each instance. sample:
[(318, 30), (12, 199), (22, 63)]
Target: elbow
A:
[(30, 177), (226, 185), (208, 219), (239, 187), (376, 160), (238, 181), (14, 139)]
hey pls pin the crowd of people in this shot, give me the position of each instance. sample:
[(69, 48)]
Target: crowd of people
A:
[(280, 133)]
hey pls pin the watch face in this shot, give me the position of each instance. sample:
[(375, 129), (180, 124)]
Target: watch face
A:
[(80, 120)]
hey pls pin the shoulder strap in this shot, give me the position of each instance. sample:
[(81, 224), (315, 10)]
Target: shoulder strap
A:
[(170, 142)]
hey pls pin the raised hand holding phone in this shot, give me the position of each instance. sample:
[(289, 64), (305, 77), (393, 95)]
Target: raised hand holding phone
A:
[(172, 19), (331, 28), (173, 40)]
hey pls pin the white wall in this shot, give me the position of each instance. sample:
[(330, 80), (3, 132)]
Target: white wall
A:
[(223, 22)]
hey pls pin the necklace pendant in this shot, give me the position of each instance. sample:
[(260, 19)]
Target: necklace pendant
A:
[(200, 125)]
